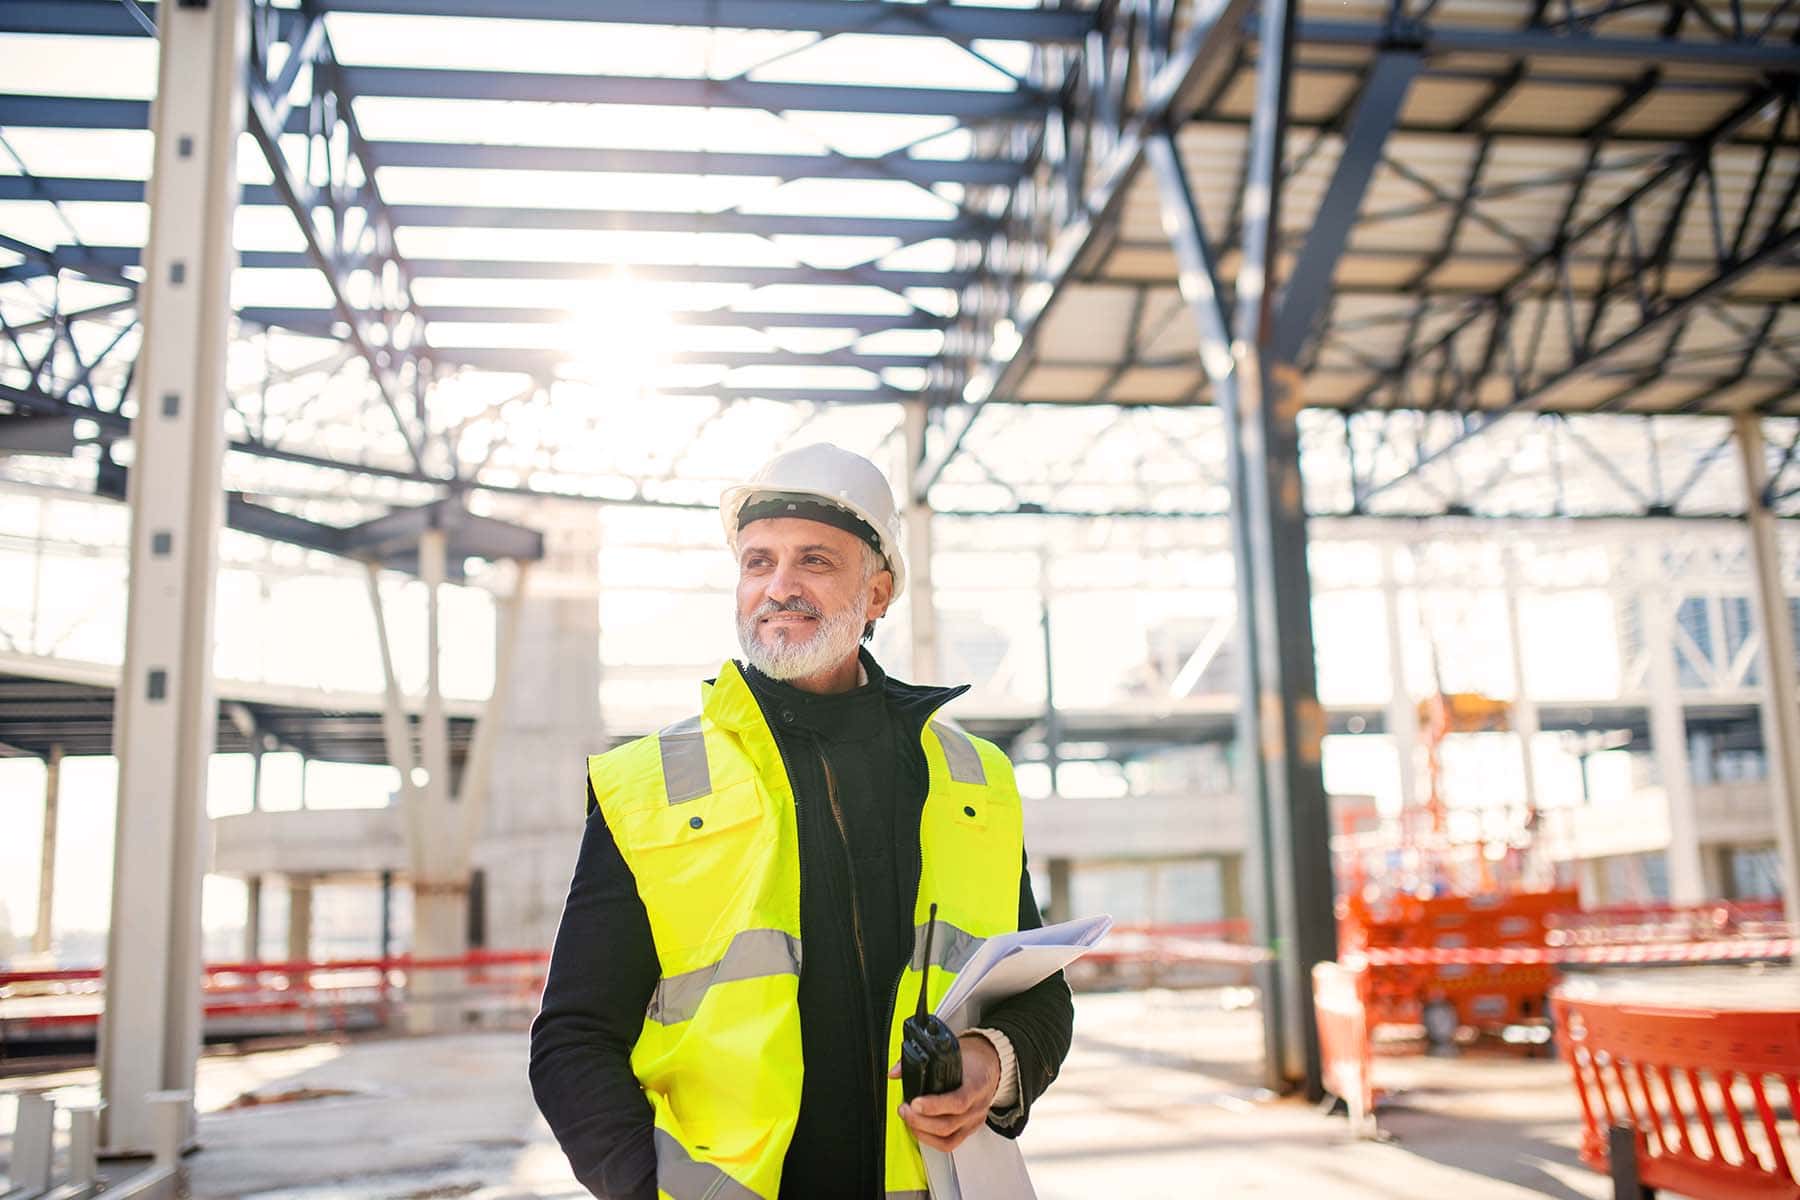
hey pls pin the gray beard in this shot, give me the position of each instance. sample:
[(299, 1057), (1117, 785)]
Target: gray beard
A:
[(835, 640)]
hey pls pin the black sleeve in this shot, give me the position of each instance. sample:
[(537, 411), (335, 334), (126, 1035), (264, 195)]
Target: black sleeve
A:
[(1039, 1022), (603, 970)]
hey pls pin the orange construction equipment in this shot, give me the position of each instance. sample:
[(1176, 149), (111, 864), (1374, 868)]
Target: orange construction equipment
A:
[(1699, 1101), (1486, 997)]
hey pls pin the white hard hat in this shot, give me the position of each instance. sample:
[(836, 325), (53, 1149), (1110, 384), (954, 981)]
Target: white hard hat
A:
[(835, 477)]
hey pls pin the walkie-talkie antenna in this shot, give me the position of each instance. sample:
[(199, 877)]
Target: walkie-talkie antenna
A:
[(925, 972)]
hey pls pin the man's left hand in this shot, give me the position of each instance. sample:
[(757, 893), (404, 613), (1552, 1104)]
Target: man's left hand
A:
[(944, 1121)]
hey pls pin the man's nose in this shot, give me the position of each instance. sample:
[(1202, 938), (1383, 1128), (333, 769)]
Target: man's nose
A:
[(784, 584)]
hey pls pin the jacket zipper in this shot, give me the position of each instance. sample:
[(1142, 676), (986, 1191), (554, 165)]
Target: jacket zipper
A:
[(877, 1038)]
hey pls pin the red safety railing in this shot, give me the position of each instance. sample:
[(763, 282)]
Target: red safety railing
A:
[(313, 996), (1698, 1101)]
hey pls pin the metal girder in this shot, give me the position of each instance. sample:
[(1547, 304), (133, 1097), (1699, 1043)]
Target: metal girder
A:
[(388, 333), (81, 258), (320, 319), (1204, 54), (657, 90), (1438, 37), (90, 112), (540, 362), (925, 171), (109, 18), (1309, 283), (453, 216)]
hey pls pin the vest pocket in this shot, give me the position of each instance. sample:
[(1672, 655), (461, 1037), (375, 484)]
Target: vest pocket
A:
[(663, 826)]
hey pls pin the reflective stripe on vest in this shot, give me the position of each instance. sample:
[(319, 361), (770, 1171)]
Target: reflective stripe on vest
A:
[(685, 773), (753, 954), (682, 1176), (703, 814)]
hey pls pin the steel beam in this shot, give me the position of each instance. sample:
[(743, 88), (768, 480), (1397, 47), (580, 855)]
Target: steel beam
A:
[(167, 712), (1780, 708), (452, 314), (979, 172), (1299, 872), (1205, 54), (1440, 38), (1199, 282), (954, 21), (430, 83), (1309, 283)]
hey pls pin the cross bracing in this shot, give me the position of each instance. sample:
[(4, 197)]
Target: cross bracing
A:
[(1496, 222)]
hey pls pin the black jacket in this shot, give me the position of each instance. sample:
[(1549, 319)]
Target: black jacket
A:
[(860, 865)]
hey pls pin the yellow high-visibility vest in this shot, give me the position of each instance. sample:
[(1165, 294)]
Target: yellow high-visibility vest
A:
[(703, 813)]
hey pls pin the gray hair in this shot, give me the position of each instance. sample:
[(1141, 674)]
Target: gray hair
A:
[(873, 563)]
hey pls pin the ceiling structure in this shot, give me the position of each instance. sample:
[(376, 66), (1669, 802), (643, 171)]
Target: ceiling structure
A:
[(1507, 234)]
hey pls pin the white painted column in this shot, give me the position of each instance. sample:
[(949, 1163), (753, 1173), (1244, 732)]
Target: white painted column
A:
[(1402, 713), (42, 936), (300, 918), (1668, 730), (166, 706), (927, 664), (1524, 716), (1781, 696)]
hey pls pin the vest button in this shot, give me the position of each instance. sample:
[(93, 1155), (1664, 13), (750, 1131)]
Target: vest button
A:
[(787, 714), (968, 810), (695, 822)]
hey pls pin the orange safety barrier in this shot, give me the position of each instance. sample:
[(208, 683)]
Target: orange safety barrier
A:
[(1686, 1098), (1341, 996)]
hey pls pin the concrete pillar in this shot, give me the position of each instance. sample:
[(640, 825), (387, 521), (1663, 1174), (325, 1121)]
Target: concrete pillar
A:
[(1524, 709), (537, 783), (300, 918), (256, 774), (1231, 886), (1062, 885), (253, 918), (1781, 696), (1402, 714), (43, 935), (1668, 732), (1590, 881), (927, 664), (166, 707)]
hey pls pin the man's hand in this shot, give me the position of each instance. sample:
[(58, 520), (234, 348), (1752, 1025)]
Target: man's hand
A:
[(944, 1121)]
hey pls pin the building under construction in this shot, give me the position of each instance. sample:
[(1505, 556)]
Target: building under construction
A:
[(1346, 446)]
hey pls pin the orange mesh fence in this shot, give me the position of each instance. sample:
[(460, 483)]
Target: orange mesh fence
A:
[(1709, 1095)]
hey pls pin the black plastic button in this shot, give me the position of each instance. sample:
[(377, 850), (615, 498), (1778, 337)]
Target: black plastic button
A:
[(787, 714), (968, 810), (695, 822)]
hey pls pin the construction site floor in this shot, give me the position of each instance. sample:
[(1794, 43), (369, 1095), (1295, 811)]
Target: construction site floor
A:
[(1158, 1099)]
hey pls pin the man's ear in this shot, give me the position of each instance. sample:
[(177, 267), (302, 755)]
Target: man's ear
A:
[(881, 593)]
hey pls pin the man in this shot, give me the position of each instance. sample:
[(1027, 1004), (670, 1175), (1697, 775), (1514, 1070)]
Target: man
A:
[(744, 933)]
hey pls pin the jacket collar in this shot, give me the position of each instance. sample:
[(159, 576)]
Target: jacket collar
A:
[(730, 703)]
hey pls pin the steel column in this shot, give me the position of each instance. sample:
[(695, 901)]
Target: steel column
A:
[(1781, 697), (1292, 723), (1200, 289), (252, 917), (1668, 730), (41, 937), (167, 709)]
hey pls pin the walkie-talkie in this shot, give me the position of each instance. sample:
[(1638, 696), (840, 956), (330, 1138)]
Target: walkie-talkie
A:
[(930, 1056)]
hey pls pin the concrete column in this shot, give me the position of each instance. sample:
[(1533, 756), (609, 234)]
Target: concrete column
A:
[(1781, 697), (300, 918), (927, 665), (1231, 886), (1524, 709), (256, 755), (440, 881), (252, 918), (1402, 713), (42, 937), (166, 707), (1062, 884), (1668, 732), (546, 728)]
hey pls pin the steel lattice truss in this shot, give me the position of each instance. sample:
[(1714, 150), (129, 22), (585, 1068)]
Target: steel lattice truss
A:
[(1510, 235)]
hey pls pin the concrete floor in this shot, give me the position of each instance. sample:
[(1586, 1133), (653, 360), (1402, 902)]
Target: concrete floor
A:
[(1158, 1100)]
